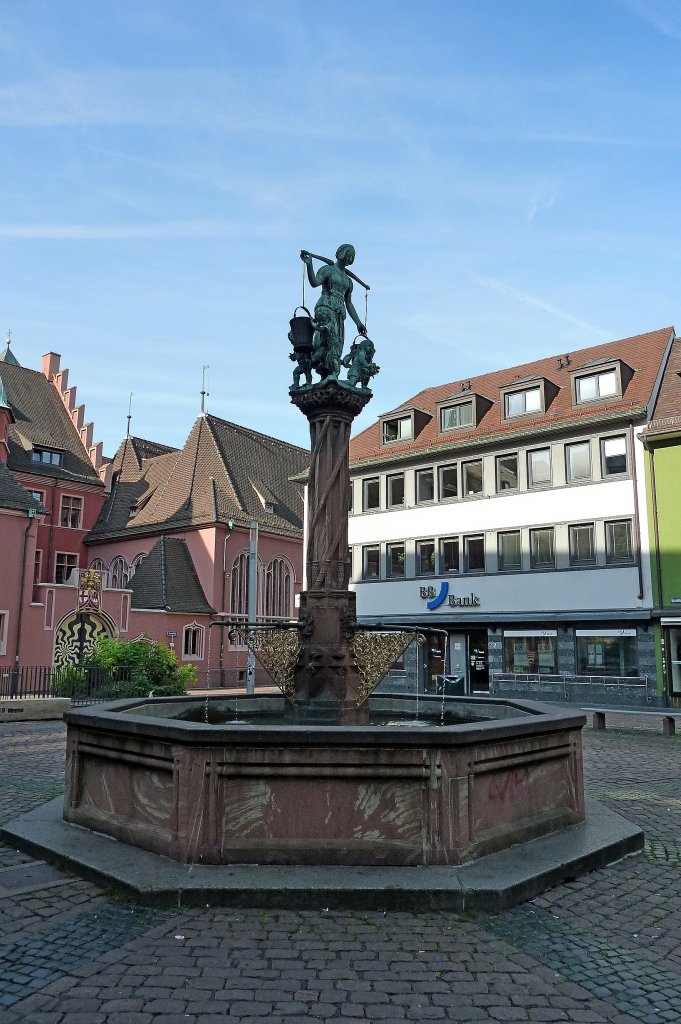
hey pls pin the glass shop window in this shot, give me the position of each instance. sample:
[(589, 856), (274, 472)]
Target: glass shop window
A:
[(531, 653), (607, 653)]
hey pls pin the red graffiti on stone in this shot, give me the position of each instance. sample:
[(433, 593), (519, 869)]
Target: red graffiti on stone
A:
[(505, 787)]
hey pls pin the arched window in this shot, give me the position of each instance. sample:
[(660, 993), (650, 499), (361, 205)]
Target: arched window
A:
[(192, 642), (135, 564), (278, 589), (119, 573), (98, 565), (239, 586)]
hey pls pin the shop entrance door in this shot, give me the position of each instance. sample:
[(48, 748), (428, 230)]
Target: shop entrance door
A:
[(458, 656), (479, 665)]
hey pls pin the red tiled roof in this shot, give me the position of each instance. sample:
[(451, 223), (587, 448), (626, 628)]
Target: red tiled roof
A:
[(643, 353)]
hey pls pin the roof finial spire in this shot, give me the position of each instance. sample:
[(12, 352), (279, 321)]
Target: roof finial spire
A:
[(129, 412), (8, 356), (204, 393)]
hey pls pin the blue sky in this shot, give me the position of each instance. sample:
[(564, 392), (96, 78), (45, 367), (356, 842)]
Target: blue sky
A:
[(508, 171)]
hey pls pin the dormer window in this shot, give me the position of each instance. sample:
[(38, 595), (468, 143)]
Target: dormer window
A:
[(398, 429), (522, 403), (595, 386), (452, 417), (461, 411), (600, 380), (47, 456)]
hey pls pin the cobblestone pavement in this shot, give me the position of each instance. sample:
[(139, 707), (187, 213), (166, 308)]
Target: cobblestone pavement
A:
[(605, 948)]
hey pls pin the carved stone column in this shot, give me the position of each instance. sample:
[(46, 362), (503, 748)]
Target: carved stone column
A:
[(326, 676)]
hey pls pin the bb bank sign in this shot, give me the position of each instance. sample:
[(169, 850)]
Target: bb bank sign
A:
[(436, 598)]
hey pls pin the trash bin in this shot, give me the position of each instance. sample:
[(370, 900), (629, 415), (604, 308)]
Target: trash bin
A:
[(451, 686)]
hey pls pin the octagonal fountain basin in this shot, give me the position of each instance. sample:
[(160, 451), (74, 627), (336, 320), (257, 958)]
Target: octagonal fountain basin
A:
[(229, 781)]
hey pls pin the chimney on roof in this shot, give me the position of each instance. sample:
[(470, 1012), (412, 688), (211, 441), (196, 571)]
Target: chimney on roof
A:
[(50, 364)]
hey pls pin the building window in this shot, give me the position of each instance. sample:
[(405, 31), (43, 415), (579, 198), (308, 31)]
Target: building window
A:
[(474, 554), (509, 550), (425, 557), (449, 554), (454, 416), (578, 461), (507, 473), (71, 512), (192, 642), (395, 490), (448, 483), (531, 652), (618, 541), (539, 467), (472, 477), (278, 589), (37, 566), (135, 564), (595, 386), (425, 485), (64, 566), (541, 548), (520, 403), (395, 554), (606, 652), (371, 562), (614, 455), (582, 546), (399, 429), (4, 622), (47, 456), (38, 496), (371, 494), (119, 573)]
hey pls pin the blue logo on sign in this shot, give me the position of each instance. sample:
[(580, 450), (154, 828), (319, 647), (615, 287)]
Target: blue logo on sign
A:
[(441, 597)]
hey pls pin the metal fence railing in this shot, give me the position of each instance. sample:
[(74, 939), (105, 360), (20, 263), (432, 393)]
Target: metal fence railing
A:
[(86, 685)]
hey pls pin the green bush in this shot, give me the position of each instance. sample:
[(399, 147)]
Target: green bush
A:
[(125, 668), (151, 666)]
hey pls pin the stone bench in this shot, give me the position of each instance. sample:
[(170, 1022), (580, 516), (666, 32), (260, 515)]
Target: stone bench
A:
[(667, 715)]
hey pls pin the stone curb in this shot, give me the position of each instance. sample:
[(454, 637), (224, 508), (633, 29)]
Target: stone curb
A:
[(492, 883)]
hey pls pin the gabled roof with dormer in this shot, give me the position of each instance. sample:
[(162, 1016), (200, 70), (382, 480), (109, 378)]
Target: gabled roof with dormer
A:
[(42, 421), (223, 473), (644, 354)]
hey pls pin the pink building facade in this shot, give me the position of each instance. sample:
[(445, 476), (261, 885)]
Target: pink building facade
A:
[(166, 529)]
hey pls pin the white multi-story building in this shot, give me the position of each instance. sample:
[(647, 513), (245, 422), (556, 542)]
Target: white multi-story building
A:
[(509, 510)]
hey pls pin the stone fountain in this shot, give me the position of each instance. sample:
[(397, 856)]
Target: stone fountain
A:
[(326, 773)]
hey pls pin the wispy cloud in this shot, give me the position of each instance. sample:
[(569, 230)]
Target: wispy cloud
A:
[(536, 303), (125, 232), (662, 15), (537, 205)]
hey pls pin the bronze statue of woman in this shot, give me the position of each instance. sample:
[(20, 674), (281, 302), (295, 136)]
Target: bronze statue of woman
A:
[(333, 305)]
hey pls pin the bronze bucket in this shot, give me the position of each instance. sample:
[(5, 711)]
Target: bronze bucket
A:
[(301, 330)]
